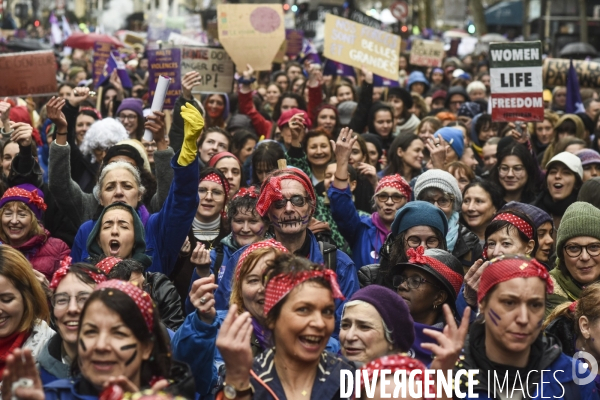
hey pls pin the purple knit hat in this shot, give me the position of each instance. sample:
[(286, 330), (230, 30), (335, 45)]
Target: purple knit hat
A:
[(393, 311), (134, 105), (28, 194), (588, 156)]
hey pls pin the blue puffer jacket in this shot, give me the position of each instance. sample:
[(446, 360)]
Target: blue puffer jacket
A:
[(346, 273), (64, 389), (165, 230), (360, 232), (194, 344)]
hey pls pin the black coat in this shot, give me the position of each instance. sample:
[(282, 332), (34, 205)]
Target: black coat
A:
[(167, 299), (467, 248)]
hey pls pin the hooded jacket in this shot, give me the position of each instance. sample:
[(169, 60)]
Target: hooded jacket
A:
[(417, 76), (44, 253), (138, 252)]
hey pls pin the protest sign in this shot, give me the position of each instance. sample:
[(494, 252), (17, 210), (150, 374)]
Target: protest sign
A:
[(28, 74), (251, 33), (165, 62), (555, 72), (358, 45), (427, 53), (294, 39), (101, 54), (516, 81), (214, 65)]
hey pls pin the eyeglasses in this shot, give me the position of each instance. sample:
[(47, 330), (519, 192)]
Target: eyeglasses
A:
[(384, 197), (216, 193), (413, 282), (517, 170), (151, 145), (444, 201), (62, 300), (131, 117), (296, 200), (574, 250), (430, 242)]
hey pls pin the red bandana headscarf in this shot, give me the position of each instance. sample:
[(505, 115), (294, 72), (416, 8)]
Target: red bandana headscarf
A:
[(517, 222), (224, 183), (107, 264), (65, 267), (279, 286), (141, 299), (255, 246), (505, 268), (249, 192), (416, 256), (270, 190), (396, 182), (217, 157)]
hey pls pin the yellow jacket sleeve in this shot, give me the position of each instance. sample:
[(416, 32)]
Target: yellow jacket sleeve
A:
[(193, 122)]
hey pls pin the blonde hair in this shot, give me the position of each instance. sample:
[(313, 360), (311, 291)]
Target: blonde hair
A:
[(36, 228), (15, 267), (247, 266), (587, 306)]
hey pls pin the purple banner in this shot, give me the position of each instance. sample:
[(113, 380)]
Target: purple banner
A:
[(165, 62), (101, 55), (294, 42)]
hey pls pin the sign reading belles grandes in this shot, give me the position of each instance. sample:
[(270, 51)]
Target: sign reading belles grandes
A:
[(516, 81)]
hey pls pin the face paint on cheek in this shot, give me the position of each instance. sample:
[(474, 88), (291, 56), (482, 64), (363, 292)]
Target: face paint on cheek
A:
[(133, 356), (129, 346), (82, 345), (494, 317)]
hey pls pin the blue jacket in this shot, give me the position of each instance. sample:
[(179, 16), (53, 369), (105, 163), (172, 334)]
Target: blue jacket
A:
[(194, 344), (165, 230), (64, 389), (346, 273), (360, 232)]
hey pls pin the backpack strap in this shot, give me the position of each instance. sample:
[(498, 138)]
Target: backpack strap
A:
[(329, 252)]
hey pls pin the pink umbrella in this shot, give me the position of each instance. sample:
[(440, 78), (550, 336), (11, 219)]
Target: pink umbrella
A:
[(86, 41)]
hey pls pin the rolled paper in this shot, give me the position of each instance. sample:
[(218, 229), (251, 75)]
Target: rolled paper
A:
[(159, 99)]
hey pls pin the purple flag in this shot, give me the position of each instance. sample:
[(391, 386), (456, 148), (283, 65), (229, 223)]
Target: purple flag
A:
[(115, 62), (337, 69), (574, 103)]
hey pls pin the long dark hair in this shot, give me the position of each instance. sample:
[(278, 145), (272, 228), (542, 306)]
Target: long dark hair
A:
[(395, 162), (288, 95), (266, 153), (529, 163), (159, 363)]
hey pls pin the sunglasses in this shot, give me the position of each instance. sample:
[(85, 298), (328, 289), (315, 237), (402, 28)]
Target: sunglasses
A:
[(296, 200)]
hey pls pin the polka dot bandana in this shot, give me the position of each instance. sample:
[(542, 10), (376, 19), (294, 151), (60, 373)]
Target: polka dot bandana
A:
[(279, 286), (141, 299), (517, 222), (271, 189), (251, 192), (396, 182), (416, 256), (219, 156), (215, 178), (255, 246), (395, 362), (505, 268), (65, 267), (107, 264)]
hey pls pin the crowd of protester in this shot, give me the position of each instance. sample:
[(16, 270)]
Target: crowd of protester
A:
[(304, 224)]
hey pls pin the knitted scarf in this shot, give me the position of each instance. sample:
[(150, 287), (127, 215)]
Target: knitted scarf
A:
[(10, 343), (571, 288), (453, 228)]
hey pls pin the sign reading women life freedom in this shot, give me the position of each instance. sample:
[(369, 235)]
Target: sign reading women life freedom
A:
[(516, 81), (358, 45)]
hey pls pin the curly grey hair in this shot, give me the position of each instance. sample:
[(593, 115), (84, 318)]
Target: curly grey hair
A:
[(118, 165)]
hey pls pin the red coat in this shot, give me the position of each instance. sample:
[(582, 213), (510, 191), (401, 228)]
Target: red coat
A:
[(45, 253)]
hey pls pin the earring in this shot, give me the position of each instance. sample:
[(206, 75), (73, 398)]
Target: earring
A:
[(435, 306)]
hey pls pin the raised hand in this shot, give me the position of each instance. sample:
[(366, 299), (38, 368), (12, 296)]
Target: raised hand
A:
[(200, 255), (79, 95), (369, 171), (55, 114), (155, 123), (21, 133), (202, 298), (343, 146), (233, 343), (472, 279), (297, 128), (4, 111), (20, 366), (368, 75), (188, 82), (247, 75), (437, 151), (315, 75)]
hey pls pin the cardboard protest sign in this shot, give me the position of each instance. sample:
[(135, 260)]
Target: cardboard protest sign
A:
[(358, 45), (214, 65), (251, 33), (555, 72), (427, 53), (516, 81), (165, 62), (27, 74), (101, 54)]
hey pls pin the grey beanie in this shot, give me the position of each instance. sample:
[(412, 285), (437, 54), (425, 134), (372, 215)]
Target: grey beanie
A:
[(345, 111), (439, 179)]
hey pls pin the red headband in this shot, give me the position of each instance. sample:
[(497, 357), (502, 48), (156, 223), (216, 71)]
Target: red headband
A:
[(396, 182), (107, 264), (396, 362), (573, 307), (505, 268), (217, 157), (279, 286), (225, 184), (255, 246), (416, 256), (32, 196), (243, 192), (271, 189), (141, 299), (65, 267), (92, 109), (517, 222)]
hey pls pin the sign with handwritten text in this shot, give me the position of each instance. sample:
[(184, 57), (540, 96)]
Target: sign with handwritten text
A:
[(358, 45), (426, 53), (214, 65)]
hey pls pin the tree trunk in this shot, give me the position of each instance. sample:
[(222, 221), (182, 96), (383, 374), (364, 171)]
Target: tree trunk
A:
[(583, 26), (479, 17)]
